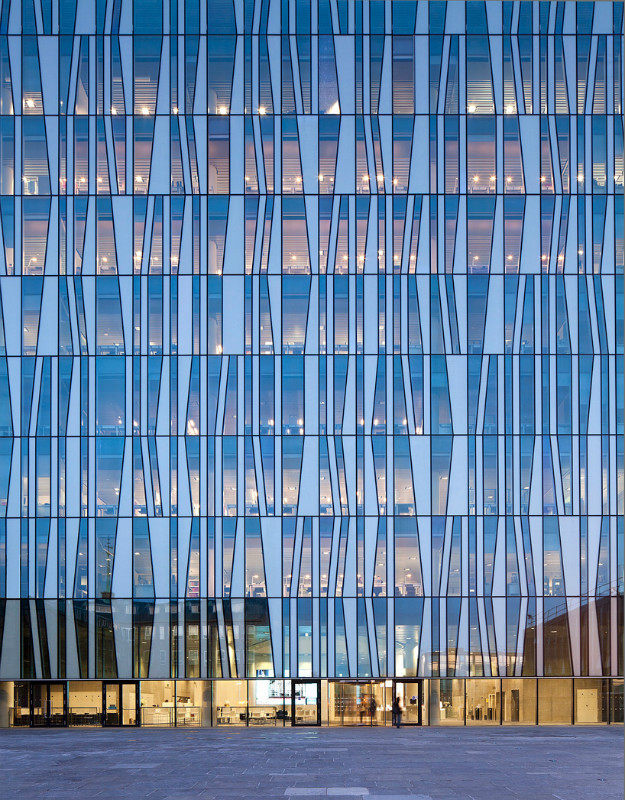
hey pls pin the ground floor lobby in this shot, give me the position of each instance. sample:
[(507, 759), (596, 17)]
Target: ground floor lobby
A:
[(268, 702)]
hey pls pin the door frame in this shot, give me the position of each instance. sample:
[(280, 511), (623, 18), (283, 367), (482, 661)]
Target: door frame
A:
[(419, 682), (120, 685), (317, 683), (46, 713)]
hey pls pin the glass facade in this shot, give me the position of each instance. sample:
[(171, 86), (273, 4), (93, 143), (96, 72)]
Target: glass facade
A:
[(311, 361), (272, 702)]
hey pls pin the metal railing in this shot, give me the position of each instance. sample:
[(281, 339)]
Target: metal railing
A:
[(188, 716), (84, 716), (168, 716), (19, 718), (158, 716), (602, 591)]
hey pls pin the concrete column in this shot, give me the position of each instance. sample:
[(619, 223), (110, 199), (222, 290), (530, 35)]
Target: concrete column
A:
[(207, 706), (434, 707), (6, 702)]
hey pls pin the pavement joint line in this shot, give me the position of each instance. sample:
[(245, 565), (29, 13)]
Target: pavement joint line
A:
[(213, 765), (330, 791)]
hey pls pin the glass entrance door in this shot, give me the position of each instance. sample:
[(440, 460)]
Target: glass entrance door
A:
[(130, 696), (120, 702), (48, 704), (410, 695), (38, 704), (306, 702), (356, 703), (111, 701)]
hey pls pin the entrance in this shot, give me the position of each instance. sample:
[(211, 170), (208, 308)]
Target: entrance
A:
[(48, 704), (356, 703), (120, 703), (40, 705), (410, 695), (306, 702)]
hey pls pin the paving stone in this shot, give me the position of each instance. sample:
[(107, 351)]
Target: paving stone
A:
[(375, 764)]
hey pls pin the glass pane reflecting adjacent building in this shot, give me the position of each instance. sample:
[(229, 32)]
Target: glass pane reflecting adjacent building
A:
[(311, 362)]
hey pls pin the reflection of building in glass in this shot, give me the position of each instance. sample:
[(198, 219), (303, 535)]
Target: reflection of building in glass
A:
[(311, 362)]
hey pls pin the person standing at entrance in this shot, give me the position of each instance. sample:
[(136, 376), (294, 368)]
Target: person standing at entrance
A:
[(397, 712), (362, 708), (373, 708)]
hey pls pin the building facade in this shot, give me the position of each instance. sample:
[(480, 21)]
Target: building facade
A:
[(311, 361)]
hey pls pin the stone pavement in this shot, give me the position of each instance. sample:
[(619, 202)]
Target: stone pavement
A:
[(579, 763)]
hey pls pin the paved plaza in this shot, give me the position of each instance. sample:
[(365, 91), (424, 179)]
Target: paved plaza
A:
[(376, 764)]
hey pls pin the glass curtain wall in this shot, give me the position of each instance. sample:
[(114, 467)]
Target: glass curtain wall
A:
[(311, 365)]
